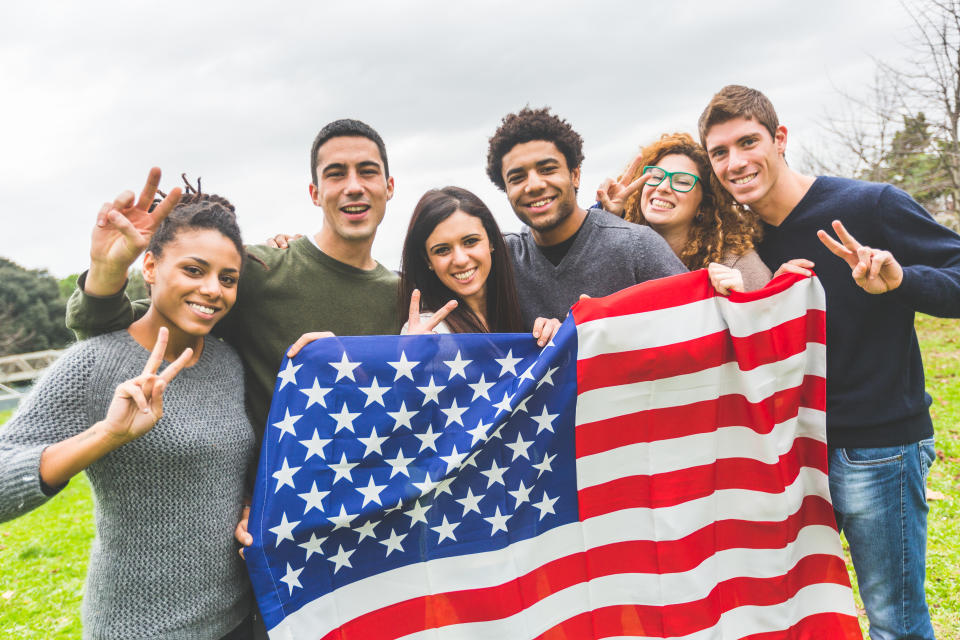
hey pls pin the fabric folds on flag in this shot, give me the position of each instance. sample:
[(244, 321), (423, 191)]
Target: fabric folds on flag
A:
[(658, 471)]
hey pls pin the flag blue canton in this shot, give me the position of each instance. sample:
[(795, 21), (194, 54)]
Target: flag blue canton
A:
[(384, 452)]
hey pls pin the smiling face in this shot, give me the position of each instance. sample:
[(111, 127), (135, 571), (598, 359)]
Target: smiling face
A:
[(459, 253), (541, 188), (193, 283), (746, 160), (668, 210), (352, 189)]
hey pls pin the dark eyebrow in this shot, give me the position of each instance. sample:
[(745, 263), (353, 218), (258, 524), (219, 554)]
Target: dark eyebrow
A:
[(439, 244), (338, 166), (207, 264)]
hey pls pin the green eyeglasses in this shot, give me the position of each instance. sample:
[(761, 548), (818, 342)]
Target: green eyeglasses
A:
[(679, 180)]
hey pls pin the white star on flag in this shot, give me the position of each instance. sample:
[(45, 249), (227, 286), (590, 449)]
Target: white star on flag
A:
[(286, 425), (457, 366), (289, 374), (393, 542), (313, 546), (315, 446), (454, 413), (404, 367), (445, 529), (431, 392), (545, 505), (341, 470), (374, 393), (498, 521), (284, 530), (402, 418), (521, 495), (544, 420), (316, 394), (470, 502), (345, 368), (344, 419), (371, 492), (292, 578), (520, 447), (314, 499), (399, 464), (341, 559), (494, 474), (480, 388), (373, 443), (508, 363), (284, 476)]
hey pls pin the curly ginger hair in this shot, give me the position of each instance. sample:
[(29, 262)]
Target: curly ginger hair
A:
[(722, 227)]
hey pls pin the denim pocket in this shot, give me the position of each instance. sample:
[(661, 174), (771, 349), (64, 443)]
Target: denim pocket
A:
[(871, 456)]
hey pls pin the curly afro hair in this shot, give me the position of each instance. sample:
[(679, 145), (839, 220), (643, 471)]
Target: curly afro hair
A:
[(528, 125)]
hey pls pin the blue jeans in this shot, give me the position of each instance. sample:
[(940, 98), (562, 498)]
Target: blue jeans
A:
[(879, 500)]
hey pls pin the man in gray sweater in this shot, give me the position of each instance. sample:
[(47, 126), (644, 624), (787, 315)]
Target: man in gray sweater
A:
[(564, 251)]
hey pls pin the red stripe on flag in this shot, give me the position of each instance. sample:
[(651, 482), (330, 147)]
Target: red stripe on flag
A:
[(683, 619), (816, 627), (835, 626), (650, 557), (676, 487), (669, 292), (700, 417), (659, 294), (780, 342)]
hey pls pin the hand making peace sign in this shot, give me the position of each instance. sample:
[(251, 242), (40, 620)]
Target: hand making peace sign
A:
[(613, 195), (138, 403), (123, 231), (418, 325), (874, 270)]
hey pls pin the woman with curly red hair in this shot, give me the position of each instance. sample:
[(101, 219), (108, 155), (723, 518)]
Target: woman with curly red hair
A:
[(670, 187)]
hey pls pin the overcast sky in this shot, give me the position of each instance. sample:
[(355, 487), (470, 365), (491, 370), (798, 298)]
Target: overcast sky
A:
[(92, 95)]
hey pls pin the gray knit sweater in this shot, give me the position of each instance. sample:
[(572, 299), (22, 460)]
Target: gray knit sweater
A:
[(164, 563), (609, 254)]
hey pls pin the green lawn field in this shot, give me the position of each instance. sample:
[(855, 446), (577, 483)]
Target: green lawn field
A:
[(43, 554)]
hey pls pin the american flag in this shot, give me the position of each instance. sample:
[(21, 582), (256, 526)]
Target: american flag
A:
[(658, 470)]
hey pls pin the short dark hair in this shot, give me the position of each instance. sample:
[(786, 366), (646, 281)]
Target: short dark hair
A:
[(738, 101), (198, 211), (344, 128), (503, 303), (528, 125)]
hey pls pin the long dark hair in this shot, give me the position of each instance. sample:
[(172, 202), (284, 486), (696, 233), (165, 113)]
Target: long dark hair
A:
[(503, 303)]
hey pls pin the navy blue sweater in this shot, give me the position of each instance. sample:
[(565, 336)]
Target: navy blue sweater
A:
[(875, 385)]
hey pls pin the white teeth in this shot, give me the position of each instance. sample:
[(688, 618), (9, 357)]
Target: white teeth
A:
[(662, 204), (466, 275), (540, 203), (355, 209), (744, 179), (201, 308)]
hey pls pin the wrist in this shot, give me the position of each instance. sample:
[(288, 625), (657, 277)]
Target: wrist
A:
[(105, 279)]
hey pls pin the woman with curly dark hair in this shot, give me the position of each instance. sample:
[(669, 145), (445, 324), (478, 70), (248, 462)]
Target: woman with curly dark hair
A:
[(682, 200)]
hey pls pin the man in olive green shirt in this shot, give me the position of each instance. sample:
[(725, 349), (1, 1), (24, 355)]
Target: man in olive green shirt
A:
[(325, 283)]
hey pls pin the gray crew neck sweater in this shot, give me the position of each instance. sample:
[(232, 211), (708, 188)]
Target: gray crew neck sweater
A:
[(163, 563), (608, 255)]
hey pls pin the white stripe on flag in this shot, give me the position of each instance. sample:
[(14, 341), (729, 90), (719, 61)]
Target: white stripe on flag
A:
[(674, 454), (755, 385)]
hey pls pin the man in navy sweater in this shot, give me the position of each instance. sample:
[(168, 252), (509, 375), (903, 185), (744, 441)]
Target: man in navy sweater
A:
[(892, 259)]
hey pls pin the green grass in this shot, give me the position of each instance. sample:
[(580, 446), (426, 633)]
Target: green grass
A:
[(43, 563), (43, 555)]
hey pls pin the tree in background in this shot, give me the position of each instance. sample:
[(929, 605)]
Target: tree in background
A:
[(31, 311), (906, 130)]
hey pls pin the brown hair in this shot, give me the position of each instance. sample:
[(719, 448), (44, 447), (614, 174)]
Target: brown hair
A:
[(737, 101), (503, 303), (722, 226)]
